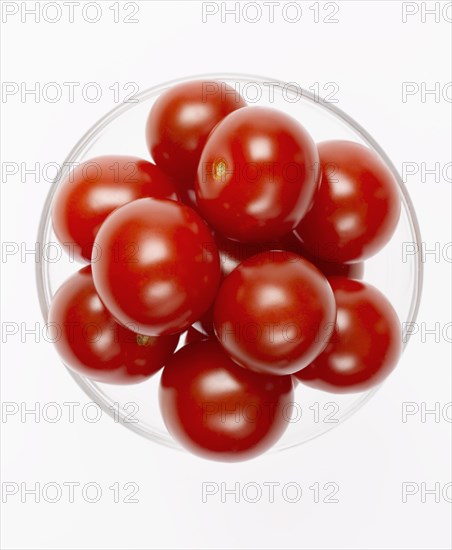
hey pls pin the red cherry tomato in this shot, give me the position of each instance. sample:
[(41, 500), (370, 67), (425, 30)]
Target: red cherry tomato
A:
[(96, 188), (274, 313), (159, 268), (257, 175), (218, 410), (232, 253), (91, 343), (180, 121), (356, 207), (366, 343)]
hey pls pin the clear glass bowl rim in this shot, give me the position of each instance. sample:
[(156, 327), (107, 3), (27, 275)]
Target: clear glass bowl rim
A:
[(42, 267)]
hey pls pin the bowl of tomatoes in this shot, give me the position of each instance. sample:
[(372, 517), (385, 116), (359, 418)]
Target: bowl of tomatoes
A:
[(234, 277)]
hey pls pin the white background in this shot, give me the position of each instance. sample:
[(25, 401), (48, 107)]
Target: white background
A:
[(369, 53)]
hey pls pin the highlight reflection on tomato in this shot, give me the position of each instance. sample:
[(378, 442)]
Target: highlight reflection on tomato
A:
[(366, 343), (218, 410), (96, 188), (356, 207), (92, 343), (257, 175), (159, 267), (274, 313)]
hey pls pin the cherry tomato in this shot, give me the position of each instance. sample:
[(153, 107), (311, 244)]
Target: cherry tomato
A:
[(96, 188), (159, 268), (366, 343), (180, 121), (218, 410), (274, 313), (232, 253), (93, 344), (257, 175), (356, 207)]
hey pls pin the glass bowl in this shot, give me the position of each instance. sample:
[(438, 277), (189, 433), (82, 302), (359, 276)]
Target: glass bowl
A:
[(122, 131)]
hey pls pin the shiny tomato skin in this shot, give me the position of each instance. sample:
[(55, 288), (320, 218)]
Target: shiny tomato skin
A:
[(365, 345), (159, 269), (257, 175), (218, 410), (93, 344), (232, 253), (274, 313), (356, 207), (181, 120), (96, 188)]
